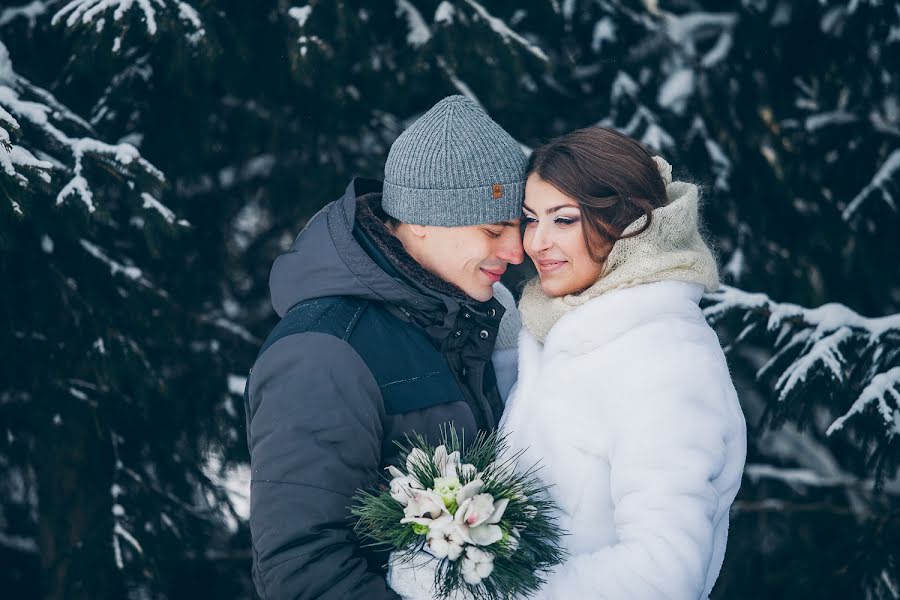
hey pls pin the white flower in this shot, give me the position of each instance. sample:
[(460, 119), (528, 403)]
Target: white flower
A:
[(479, 515), (440, 457), (447, 464), (467, 470), (403, 488), (445, 538), (665, 169), (469, 490), (476, 565), (423, 508)]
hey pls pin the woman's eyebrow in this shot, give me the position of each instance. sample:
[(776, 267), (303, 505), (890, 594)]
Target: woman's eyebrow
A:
[(550, 210)]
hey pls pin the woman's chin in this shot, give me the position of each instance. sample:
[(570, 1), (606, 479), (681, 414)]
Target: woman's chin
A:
[(553, 287)]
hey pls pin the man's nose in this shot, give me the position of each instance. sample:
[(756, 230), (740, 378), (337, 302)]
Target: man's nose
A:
[(511, 247)]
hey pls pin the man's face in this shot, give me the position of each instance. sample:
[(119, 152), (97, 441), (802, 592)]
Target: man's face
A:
[(472, 258)]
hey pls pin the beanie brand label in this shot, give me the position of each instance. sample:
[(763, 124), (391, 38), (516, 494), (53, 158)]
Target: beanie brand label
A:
[(497, 191)]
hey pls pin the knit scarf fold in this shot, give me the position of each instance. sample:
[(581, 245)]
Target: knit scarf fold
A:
[(670, 249)]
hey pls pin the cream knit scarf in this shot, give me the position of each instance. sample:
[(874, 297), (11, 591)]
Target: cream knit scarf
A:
[(670, 249)]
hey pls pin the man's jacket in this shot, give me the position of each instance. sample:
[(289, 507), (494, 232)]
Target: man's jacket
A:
[(371, 348)]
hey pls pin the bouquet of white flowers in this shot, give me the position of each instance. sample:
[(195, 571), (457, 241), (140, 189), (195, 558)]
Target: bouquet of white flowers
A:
[(489, 523)]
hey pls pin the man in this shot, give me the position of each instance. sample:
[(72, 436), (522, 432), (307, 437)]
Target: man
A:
[(388, 328)]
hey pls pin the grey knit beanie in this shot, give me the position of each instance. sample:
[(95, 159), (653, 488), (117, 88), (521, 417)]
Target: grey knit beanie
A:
[(454, 167)]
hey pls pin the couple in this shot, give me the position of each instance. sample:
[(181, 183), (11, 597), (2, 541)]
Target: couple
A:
[(394, 323)]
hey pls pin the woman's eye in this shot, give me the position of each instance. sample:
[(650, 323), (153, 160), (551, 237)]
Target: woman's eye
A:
[(529, 220), (564, 220)]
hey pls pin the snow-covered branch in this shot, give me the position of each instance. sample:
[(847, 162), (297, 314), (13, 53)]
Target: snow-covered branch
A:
[(822, 342), (58, 147), (30, 12), (419, 34), (93, 13), (888, 175), (505, 32), (882, 392)]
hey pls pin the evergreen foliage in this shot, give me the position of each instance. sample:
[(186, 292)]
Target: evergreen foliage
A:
[(156, 155)]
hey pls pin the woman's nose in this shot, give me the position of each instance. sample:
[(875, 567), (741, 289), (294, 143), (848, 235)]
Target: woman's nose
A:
[(537, 239)]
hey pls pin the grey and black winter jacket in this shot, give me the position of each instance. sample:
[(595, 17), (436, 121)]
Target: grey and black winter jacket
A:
[(371, 348)]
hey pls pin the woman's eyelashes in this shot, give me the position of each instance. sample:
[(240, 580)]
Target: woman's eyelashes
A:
[(528, 220)]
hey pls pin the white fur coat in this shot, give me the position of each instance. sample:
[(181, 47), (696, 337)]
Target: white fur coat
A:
[(630, 407)]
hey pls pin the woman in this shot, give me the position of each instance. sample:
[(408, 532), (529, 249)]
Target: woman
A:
[(623, 393)]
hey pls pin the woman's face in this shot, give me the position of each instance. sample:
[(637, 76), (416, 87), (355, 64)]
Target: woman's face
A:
[(554, 240)]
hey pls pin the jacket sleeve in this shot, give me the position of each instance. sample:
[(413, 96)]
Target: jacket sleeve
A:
[(675, 466), (315, 432)]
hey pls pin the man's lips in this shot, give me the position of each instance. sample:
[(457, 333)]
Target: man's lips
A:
[(494, 275), (548, 266)]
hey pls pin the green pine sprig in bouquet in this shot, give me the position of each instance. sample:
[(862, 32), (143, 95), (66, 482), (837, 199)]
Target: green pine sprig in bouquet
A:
[(489, 522)]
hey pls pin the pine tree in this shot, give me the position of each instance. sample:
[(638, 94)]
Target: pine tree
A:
[(189, 141)]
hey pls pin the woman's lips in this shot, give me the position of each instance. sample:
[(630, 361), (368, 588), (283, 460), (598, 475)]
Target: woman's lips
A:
[(494, 276), (548, 266)]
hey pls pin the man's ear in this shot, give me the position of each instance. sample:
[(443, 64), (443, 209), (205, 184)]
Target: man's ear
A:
[(419, 231)]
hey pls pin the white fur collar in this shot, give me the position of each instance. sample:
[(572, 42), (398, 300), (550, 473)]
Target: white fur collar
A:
[(604, 318)]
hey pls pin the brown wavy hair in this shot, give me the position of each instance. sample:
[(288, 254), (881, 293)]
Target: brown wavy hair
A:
[(611, 176)]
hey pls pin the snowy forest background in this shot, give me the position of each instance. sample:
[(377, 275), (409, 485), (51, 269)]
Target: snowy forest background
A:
[(156, 155)]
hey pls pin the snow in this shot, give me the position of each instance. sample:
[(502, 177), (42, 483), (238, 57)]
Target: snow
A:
[(132, 273), (675, 91), (819, 337), (236, 384), (78, 185), (444, 14), (153, 203), (18, 543), (505, 32), (825, 352), (882, 387), (7, 75), (300, 14), (235, 480), (623, 85), (86, 11), (460, 86), (120, 531), (657, 138), (189, 15), (838, 117), (30, 11), (419, 34), (46, 244), (684, 29), (736, 266), (828, 317), (879, 183), (234, 328), (78, 394), (604, 31), (718, 52), (802, 477)]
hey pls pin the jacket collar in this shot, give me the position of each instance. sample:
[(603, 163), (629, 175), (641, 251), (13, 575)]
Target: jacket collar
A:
[(415, 295)]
